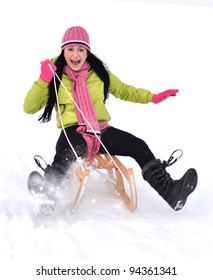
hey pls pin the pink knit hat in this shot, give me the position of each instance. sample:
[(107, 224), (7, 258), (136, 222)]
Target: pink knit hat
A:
[(75, 35)]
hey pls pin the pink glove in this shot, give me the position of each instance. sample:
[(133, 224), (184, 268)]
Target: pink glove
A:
[(157, 98), (46, 73)]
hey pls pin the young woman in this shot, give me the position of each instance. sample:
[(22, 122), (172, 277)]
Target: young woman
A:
[(85, 117)]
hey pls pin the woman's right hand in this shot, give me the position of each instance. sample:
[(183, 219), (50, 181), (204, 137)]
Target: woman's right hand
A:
[(47, 70)]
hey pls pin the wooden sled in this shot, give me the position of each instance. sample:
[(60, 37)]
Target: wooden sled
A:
[(111, 164)]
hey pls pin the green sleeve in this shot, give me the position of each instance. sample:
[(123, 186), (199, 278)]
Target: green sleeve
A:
[(37, 97), (127, 92)]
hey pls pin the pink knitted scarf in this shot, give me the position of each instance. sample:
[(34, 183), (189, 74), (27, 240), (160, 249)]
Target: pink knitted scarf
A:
[(83, 100)]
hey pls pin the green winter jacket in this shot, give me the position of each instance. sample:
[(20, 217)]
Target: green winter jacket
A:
[(37, 97)]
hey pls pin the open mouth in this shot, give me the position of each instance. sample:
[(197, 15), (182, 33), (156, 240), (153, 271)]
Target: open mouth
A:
[(75, 62)]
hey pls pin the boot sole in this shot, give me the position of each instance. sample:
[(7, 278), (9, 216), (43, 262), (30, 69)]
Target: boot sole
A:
[(46, 205), (189, 186), (34, 181)]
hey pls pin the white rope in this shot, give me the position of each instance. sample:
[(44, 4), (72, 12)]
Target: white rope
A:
[(62, 124), (55, 74)]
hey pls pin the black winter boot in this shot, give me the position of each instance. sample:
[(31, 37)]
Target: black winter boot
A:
[(37, 189), (45, 188), (175, 192)]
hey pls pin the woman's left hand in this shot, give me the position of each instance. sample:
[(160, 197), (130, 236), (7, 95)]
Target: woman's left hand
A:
[(157, 98)]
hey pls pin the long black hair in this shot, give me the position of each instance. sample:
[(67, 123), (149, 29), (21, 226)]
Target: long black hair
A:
[(95, 63)]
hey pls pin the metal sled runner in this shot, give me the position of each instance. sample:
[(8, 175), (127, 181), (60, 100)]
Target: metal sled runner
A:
[(111, 164)]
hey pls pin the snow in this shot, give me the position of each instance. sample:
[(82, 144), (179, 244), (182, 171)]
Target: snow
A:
[(151, 45)]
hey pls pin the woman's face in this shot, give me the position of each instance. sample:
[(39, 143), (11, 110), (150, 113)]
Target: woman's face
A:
[(75, 57)]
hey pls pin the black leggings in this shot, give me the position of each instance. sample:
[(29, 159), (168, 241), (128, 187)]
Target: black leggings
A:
[(116, 141)]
